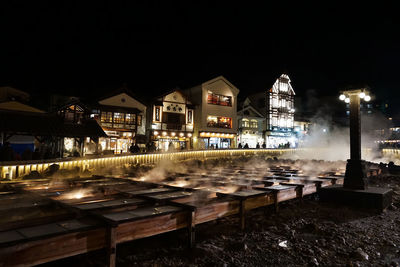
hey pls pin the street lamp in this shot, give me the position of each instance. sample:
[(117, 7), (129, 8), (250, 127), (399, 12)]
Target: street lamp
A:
[(355, 191), (355, 177)]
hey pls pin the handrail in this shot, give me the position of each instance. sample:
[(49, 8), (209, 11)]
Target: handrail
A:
[(15, 169)]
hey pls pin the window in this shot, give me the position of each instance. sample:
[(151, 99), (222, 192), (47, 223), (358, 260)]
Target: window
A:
[(139, 120), (118, 117), (219, 99), (245, 123), (219, 122), (106, 116), (130, 119), (253, 124), (157, 114), (190, 116)]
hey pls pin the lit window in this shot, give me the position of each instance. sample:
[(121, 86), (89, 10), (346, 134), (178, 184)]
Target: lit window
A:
[(130, 119), (139, 120), (118, 117), (245, 123), (253, 124), (219, 122), (106, 116), (219, 99)]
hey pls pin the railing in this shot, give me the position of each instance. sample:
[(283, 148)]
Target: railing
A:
[(391, 152), (12, 170)]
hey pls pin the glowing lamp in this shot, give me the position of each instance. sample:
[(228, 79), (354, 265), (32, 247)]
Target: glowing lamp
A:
[(367, 98), (342, 97), (347, 100), (362, 95)]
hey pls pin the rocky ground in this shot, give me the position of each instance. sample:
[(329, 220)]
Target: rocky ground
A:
[(301, 234)]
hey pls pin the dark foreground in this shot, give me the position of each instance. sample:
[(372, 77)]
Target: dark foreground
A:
[(303, 233)]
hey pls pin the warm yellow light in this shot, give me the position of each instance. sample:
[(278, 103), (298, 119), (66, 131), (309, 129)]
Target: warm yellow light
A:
[(181, 134), (342, 97), (164, 133), (155, 133), (173, 134), (362, 95), (189, 135), (367, 98)]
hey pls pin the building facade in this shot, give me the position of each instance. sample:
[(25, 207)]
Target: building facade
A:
[(251, 126), (123, 119), (215, 120), (280, 114), (171, 122)]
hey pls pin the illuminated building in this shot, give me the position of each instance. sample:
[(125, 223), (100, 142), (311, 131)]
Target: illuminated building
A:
[(123, 119), (215, 120), (277, 106), (251, 125), (280, 113), (171, 121)]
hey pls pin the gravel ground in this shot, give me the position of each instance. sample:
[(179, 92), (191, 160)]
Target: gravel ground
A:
[(303, 233)]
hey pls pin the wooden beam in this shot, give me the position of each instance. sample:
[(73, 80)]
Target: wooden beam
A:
[(242, 213), (192, 228), (111, 244)]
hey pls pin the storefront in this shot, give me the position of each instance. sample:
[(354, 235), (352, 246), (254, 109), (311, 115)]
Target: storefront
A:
[(117, 142), (280, 139), (167, 141), (210, 140), (251, 138)]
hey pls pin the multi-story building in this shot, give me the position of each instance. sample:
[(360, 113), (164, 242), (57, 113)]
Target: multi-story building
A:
[(171, 121), (277, 105), (123, 119), (215, 120), (251, 124)]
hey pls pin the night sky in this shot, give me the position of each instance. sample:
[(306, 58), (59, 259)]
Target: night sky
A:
[(83, 49)]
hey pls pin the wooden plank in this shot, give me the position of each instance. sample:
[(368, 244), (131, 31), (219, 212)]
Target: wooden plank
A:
[(216, 210), (53, 248), (151, 226), (259, 201)]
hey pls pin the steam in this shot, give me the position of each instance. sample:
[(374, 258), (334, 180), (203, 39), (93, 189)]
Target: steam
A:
[(329, 141)]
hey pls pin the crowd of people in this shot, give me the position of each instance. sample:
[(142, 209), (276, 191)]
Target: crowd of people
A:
[(246, 145)]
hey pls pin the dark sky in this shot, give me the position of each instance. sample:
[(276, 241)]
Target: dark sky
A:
[(76, 48)]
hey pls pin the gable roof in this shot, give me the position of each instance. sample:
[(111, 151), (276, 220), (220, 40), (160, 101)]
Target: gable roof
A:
[(177, 89), (235, 89), (44, 124), (280, 84), (10, 93), (123, 89), (250, 107), (18, 106)]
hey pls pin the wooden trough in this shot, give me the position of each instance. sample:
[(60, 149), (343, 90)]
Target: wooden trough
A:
[(44, 221)]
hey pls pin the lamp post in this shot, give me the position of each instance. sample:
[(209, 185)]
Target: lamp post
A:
[(355, 191), (355, 177)]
